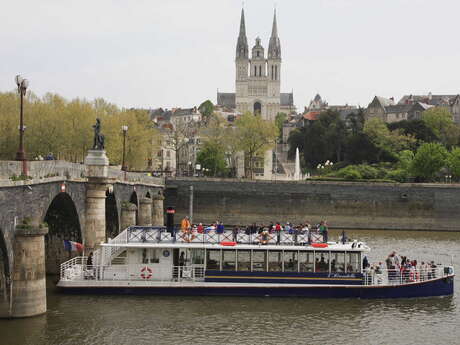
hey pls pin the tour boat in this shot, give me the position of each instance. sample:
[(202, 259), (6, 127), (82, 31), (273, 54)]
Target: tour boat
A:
[(153, 261)]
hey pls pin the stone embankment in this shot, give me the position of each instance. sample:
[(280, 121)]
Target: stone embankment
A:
[(346, 205)]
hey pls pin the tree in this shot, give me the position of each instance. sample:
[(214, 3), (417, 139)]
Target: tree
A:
[(428, 161), (453, 161), (255, 136), (439, 119), (206, 109), (386, 141), (212, 158), (178, 135), (416, 128), (279, 121), (356, 121)]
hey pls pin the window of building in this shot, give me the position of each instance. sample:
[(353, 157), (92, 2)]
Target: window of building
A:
[(255, 71), (272, 72), (276, 72), (260, 71), (258, 53)]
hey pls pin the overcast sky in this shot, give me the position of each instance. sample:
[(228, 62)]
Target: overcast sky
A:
[(151, 53)]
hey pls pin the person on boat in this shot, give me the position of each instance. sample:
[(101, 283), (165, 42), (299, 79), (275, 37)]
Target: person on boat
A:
[(219, 227), (235, 232), (200, 228), (185, 224), (264, 237), (89, 260), (323, 230)]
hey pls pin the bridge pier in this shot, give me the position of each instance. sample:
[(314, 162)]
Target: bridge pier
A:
[(158, 210), (97, 172), (29, 278), (128, 215), (145, 212)]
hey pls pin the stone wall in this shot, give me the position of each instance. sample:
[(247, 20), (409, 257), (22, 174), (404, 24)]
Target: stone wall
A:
[(344, 205)]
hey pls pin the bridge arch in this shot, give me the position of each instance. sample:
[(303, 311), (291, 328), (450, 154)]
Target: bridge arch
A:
[(135, 200), (4, 276), (63, 224), (112, 221)]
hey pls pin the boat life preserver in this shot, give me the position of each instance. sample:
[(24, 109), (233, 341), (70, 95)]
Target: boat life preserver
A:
[(319, 245), (146, 273), (228, 243)]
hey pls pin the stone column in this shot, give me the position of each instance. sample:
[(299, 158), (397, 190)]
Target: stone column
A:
[(29, 278), (96, 171), (158, 210), (128, 215), (145, 212)]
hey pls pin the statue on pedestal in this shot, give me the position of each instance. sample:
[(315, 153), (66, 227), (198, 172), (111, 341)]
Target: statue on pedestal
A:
[(98, 137)]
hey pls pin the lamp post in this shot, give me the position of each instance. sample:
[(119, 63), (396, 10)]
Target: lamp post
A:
[(21, 155), (123, 162)]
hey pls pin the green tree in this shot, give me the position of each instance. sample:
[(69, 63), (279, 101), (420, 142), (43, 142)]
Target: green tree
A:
[(387, 141), (416, 128), (428, 161), (255, 136), (440, 120), (212, 158), (206, 109), (279, 121), (453, 162)]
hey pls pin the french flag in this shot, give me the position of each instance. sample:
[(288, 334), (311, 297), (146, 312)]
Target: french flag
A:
[(72, 246)]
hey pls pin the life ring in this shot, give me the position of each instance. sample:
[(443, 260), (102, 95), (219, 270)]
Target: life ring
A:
[(146, 273), (319, 245)]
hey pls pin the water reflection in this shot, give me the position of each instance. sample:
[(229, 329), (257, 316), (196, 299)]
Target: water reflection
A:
[(229, 320)]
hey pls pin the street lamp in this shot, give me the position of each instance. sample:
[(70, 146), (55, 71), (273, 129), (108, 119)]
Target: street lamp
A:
[(123, 163), (21, 155)]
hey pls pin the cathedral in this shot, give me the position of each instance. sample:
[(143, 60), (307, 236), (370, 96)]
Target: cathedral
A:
[(258, 78)]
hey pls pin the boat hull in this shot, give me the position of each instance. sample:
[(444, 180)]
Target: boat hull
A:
[(436, 287)]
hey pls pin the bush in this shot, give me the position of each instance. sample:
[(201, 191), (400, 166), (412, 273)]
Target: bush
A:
[(399, 175), (350, 173)]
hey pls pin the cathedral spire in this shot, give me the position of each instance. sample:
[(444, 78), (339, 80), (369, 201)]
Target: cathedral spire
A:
[(274, 46), (242, 44), (242, 25), (274, 27)]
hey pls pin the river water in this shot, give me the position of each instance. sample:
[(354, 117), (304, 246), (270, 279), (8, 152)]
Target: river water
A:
[(229, 320)]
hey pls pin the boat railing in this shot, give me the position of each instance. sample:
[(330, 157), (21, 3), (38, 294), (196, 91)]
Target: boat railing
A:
[(77, 270), (400, 277), (148, 234), (188, 273)]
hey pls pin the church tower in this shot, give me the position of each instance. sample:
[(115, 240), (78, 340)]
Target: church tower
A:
[(274, 63), (241, 62)]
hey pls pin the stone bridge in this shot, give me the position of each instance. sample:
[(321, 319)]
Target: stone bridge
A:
[(86, 203)]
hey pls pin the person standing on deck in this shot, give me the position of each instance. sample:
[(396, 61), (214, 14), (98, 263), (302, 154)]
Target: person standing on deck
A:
[(323, 230)]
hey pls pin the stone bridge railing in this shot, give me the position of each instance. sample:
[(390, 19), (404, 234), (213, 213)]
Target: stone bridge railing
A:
[(10, 170)]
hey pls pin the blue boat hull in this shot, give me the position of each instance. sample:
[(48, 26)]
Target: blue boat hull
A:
[(438, 287)]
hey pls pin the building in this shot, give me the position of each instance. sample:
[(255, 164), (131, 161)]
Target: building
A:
[(258, 78), (179, 142), (408, 108), (450, 102)]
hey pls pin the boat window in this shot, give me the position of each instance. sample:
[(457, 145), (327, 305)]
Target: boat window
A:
[(213, 259), (353, 262), (198, 256), (259, 260), (150, 255), (244, 260), (290, 261), (306, 261), (275, 261), (228, 260), (321, 261), (337, 262)]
